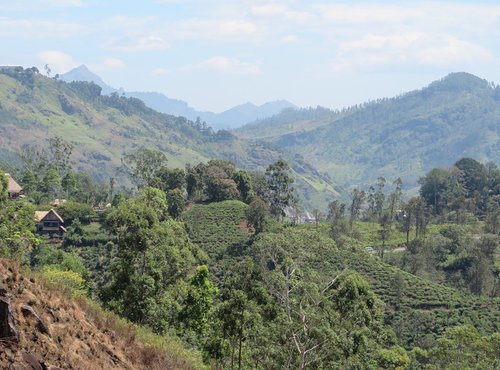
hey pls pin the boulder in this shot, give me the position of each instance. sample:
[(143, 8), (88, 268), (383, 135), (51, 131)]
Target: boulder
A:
[(8, 331), (27, 310)]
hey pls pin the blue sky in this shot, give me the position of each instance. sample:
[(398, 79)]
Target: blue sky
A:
[(216, 54)]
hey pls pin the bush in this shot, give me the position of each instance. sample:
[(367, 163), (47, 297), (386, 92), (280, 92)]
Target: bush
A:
[(71, 211), (70, 282)]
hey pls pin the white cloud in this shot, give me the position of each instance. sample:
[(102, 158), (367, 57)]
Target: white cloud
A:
[(58, 61), (66, 2), (237, 27), (455, 51), (356, 14), (225, 65), (372, 41), (407, 49), (137, 43), (108, 64), (38, 28), (161, 72), (268, 10), (36, 5)]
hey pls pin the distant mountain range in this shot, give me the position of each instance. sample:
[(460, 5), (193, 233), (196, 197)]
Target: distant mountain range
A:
[(229, 119)]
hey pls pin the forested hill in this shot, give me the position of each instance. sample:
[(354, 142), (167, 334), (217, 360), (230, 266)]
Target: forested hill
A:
[(405, 136), (104, 128)]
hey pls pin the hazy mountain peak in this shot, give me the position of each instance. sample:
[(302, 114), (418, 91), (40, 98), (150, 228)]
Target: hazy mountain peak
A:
[(231, 118), (460, 81), (83, 73)]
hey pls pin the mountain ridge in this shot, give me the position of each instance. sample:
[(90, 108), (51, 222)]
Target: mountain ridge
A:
[(456, 116), (230, 118)]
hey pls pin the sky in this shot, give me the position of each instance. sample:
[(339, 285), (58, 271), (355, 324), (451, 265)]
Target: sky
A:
[(215, 54)]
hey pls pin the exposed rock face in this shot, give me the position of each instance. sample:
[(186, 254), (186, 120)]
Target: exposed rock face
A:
[(8, 331)]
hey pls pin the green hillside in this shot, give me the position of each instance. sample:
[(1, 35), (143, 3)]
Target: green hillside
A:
[(410, 301), (413, 302), (403, 137), (417, 309), (34, 108)]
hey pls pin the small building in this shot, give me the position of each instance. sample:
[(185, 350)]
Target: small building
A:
[(50, 223), (58, 202), (13, 188)]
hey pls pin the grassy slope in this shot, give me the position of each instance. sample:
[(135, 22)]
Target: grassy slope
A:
[(424, 308), (80, 334), (217, 227)]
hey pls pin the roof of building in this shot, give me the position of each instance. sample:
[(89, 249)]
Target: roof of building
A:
[(40, 215), (13, 186)]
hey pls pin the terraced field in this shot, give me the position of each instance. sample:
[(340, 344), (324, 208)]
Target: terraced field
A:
[(413, 302)]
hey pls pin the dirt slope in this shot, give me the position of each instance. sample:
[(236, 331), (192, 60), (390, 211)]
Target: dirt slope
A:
[(41, 329)]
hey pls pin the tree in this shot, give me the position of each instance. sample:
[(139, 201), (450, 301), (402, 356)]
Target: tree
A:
[(257, 214), (47, 69), (175, 200), (154, 255), (196, 181), (279, 182), (358, 198), (51, 183), (338, 223), (380, 196), (464, 348), (68, 183), (199, 303), (219, 186), (395, 197), (385, 223), (434, 186), (144, 165), (29, 181), (474, 174), (60, 151), (4, 183), (172, 179), (244, 184)]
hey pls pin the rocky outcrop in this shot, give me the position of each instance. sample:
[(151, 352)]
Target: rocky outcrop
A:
[(8, 331), (28, 311)]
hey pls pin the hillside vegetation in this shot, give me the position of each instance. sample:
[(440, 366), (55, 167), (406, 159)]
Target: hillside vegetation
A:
[(103, 129), (402, 137)]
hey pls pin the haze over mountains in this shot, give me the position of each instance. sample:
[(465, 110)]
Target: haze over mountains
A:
[(231, 118)]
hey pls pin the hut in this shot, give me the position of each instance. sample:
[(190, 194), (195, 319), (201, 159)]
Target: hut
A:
[(50, 223), (13, 188)]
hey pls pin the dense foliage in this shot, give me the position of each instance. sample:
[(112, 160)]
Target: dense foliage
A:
[(207, 253)]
